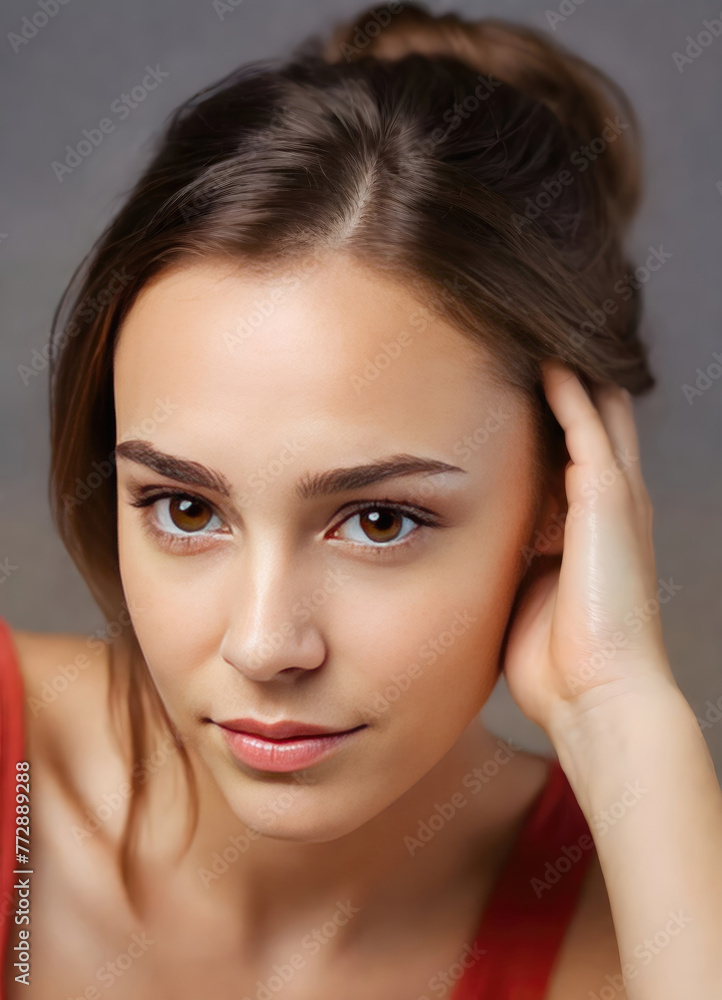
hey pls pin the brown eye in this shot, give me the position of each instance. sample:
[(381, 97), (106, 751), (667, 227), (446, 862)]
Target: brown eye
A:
[(382, 525), (379, 525), (175, 518), (188, 514)]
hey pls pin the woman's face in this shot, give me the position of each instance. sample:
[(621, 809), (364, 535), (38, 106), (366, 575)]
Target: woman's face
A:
[(277, 587)]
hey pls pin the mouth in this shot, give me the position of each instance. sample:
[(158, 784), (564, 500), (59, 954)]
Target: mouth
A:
[(283, 746), (285, 729)]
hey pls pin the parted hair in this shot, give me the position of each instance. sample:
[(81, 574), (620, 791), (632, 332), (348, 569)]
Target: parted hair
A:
[(479, 162)]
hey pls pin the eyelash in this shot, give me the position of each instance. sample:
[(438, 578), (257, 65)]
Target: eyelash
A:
[(422, 517)]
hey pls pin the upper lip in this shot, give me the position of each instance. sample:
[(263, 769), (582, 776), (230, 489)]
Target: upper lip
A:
[(279, 730)]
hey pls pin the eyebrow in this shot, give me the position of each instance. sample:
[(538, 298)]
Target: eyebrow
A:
[(309, 485)]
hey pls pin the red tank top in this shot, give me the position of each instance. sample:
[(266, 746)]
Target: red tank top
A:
[(524, 919)]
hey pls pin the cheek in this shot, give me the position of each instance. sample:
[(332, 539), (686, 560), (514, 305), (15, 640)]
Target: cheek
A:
[(164, 609), (396, 635), (430, 638)]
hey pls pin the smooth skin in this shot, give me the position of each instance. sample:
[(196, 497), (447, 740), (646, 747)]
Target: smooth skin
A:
[(609, 703), (282, 610)]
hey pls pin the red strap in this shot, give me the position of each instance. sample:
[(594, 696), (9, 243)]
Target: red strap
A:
[(532, 901), (524, 920), (11, 751)]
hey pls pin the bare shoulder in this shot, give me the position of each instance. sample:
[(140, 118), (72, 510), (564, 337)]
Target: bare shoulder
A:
[(45, 655), (78, 776), (66, 714), (589, 963)]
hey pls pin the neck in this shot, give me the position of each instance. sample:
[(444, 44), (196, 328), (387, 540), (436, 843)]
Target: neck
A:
[(445, 837)]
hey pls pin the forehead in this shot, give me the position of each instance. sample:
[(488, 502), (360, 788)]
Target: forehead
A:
[(324, 341)]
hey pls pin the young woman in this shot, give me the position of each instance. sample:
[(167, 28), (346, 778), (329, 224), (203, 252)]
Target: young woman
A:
[(342, 428)]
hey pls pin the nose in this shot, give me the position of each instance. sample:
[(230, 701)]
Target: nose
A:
[(272, 632)]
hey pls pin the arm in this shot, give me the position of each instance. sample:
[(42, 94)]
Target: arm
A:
[(586, 661), (643, 776)]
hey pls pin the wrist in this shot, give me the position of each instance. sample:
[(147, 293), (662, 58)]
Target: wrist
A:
[(593, 713), (613, 732)]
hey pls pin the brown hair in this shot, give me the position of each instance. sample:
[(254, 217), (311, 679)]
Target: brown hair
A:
[(479, 161)]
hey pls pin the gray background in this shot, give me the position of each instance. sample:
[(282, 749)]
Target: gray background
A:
[(89, 52)]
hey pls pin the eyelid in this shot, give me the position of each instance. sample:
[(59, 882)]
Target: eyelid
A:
[(413, 509), (146, 496), (418, 514), (423, 517)]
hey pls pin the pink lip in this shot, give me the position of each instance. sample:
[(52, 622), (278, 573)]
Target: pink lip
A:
[(278, 730), (281, 746)]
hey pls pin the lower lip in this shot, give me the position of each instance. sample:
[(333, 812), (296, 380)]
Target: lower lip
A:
[(283, 755)]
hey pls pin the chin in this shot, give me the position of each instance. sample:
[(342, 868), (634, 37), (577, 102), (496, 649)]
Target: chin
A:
[(310, 820)]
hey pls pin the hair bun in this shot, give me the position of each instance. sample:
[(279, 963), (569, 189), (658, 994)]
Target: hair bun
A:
[(590, 105)]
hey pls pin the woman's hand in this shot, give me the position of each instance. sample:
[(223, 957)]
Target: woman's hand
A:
[(590, 629), (585, 659)]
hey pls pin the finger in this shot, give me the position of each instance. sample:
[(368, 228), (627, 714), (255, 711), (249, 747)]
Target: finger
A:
[(617, 412), (586, 437)]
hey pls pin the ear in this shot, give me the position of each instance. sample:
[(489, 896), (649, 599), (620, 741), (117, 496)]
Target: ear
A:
[(546, 539), (547, 536)]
